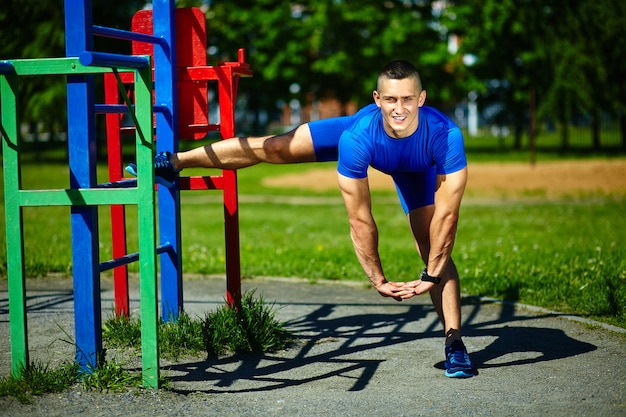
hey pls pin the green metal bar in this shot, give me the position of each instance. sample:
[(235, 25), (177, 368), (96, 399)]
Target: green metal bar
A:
[(147, 229), (56, 66), (78, 197), (14, 223)]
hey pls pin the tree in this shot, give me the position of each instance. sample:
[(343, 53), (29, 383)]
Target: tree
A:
[(37, 30), (327, 48), (602, 35), (565, 50)]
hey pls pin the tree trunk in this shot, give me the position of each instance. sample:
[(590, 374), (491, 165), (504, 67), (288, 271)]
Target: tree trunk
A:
[(595, 131), (564, 128), (622, 129)]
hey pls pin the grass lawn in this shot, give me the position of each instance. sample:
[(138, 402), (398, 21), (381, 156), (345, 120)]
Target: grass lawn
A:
[(566, 255)]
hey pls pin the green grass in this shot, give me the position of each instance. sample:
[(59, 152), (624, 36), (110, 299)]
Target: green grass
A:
[(38, 379), (177, 339), (568, 256), (250, 328)]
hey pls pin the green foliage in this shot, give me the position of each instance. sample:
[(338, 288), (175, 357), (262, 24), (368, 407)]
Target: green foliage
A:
[(111, 376), (565, 51), (177, 338), (328, 48), (38, 379), (180, 338), (568, 257), (569, 53), (122, 331), (250, 328)]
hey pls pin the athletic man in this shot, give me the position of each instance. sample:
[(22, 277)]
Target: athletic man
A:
[(417, 145)]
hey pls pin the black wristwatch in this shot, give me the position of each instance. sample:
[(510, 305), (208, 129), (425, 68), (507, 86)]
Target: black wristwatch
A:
[(425, 277)]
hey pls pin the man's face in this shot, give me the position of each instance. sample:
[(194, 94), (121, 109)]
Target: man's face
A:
[(399, 101)]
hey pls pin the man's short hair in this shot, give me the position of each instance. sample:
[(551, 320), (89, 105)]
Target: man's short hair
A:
[(399, 70)]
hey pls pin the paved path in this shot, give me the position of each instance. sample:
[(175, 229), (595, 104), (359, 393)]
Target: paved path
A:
[(357, 354)]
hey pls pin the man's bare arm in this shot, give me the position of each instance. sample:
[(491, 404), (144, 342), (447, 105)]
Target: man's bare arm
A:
[(443, 226), (364, 234)]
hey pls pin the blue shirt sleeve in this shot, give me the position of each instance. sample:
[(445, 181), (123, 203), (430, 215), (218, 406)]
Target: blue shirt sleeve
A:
[(354, 158), (449, 153)]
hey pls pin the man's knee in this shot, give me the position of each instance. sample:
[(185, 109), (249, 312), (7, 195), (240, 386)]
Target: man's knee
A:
[(291, 147), (276, 148)]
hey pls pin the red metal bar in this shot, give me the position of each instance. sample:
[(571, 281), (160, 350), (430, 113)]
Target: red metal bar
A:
[(201, 183), (227, 95), (118, 216)]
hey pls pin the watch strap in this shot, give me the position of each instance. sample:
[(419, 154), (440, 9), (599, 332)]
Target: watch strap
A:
[(425, 277)]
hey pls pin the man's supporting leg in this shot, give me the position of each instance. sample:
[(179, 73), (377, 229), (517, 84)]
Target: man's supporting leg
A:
[(446, 299), (445, 296)]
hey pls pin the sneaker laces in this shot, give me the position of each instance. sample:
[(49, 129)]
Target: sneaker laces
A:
[(162, 160), (457, 354)]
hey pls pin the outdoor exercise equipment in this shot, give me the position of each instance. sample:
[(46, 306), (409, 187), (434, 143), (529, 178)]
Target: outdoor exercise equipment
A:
[(192, 123), (84, 195)]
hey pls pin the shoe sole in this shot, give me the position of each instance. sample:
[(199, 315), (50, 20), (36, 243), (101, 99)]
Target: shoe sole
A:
[(459, 374), (132, 170)]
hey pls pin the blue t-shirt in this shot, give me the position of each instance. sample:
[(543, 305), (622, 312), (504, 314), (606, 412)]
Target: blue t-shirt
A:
[(436, 142)]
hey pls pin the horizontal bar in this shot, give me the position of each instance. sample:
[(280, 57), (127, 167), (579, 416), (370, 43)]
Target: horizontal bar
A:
[(110, 108), (124, 183), (126, 35), (6, 67), (105, 59), (215, 182), (204, 127), (209, 73), (55, 66), (131, 257), (78, 197), (121, 108)]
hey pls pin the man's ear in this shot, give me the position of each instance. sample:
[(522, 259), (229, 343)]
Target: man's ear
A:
[(422, 98), (376, 98)]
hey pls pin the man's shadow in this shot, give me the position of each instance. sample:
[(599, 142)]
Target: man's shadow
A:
[(353, 334), (519, 345)]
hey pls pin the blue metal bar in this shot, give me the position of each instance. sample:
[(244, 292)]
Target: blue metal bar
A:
[(131, 257), (105, 59), (127, 183), (6, 67), (165, 76), (111, 108), (126, 35), (82, 160)]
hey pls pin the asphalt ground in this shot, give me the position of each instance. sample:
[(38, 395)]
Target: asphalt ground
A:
[(356, 354)]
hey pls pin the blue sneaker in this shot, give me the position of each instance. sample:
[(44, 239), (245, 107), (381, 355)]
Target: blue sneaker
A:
[(458, 363), (164, 172)]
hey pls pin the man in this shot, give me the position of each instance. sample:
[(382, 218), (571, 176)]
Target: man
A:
[(418, 146)]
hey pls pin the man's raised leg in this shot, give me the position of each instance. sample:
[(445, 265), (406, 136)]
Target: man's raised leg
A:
[(291, 147)]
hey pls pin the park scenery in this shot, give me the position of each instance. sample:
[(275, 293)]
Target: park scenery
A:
[(548, 234), (541, 222)]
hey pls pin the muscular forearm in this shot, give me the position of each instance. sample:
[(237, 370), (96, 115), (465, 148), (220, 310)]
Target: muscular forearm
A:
[(364, 236), (442, 235), (444, 222)]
